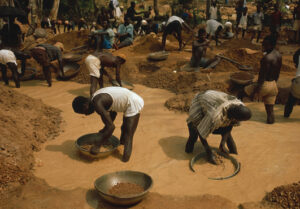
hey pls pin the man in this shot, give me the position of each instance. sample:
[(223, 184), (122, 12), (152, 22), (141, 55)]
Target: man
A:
[(213, 11), (11, 34), (239, 11), (266, 87), (243, 23), (258, 18), (213, 29), (174, 26), (131, 13), (214, 112), (107, 102), (199, 52), (96, 63), (125, 34), (44, 54), (296, 17), (104, 39), (294, 95), (8, 59), (228, 30), (275, 22)]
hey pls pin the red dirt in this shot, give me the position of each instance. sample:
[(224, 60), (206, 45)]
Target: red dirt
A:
[(25, 123)]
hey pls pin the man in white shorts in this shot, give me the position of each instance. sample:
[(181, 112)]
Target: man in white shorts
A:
[(8, 59), (96, 63), (213, 29), (107, 102)]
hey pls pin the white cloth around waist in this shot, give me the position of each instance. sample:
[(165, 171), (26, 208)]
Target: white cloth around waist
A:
[(7, 56), (93, 64), (124, 100), (174, 18)]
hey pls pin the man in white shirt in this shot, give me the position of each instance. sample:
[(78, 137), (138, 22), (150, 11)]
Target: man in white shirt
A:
[(214, 112), (213, 29), (107, 102), (8, 59), (294, 95), (213, 11), (258, 18), (174, 26)]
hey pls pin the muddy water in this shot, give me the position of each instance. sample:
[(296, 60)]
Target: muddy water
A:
[(269, 154)]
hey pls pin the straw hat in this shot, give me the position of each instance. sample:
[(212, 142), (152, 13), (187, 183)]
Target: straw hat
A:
[(60, 46)]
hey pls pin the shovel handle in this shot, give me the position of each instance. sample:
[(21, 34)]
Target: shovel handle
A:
[(230, 60)]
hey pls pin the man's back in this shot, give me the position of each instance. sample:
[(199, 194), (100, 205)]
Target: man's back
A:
[(273, 63)]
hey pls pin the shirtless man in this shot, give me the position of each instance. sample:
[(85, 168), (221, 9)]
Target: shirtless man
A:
[(266, 87), (199, 52), (107, 102), (96, 63)]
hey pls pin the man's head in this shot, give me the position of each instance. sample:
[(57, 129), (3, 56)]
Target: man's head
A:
[(239, 112), (268, 43), (126, 20), (132, 4), (296, 58), (83, 105), (201, 33), (214, 3)]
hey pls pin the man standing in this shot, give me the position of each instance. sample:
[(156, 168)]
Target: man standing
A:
[(266, 87), (296, 17), (213, 11), (294, 95), (174, 26), (107, 102), (275, 22), (199, 52), (214, 112), (258, 18), (131, 13), (96, 63), (44, 54)]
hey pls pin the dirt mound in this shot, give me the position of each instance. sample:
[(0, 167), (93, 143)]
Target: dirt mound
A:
[(147, 44), (71, 39), (25, 123), (287, 196)]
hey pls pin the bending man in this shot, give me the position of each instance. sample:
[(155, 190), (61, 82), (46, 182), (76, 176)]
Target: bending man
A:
[(214, 112), (107, 102)]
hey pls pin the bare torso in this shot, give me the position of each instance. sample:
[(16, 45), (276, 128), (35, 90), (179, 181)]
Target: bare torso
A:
[(270, 66)]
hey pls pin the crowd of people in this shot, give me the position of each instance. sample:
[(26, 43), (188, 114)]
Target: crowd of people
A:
[(210, 112)]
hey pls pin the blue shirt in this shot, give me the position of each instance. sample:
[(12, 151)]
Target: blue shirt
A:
[(126, 29)]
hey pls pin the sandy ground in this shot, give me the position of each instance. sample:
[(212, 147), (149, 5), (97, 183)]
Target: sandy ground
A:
[(268, 153)]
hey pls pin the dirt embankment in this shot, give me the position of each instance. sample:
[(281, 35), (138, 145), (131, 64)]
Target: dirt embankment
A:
[(25, 123)]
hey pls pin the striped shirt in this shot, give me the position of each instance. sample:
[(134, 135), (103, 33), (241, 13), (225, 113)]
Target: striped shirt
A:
[(208, 111)]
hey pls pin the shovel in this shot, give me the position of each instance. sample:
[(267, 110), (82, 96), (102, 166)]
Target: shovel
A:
[(240, 66)]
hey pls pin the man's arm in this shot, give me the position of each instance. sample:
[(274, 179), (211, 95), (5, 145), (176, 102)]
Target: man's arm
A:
[(265, 64), (187, 26), (93, 86), (109, 127)]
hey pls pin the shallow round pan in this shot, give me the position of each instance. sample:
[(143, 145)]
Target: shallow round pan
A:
[(158, 56), (72, 57), (106, 182), (245, 67), (89, 139), (70, 70), (28, 75)]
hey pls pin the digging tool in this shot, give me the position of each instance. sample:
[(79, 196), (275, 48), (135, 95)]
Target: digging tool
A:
[(240, 66)]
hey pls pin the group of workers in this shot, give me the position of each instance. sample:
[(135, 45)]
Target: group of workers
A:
[(211, 112)]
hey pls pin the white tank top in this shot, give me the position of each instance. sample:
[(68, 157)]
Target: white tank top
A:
[(124, 100)]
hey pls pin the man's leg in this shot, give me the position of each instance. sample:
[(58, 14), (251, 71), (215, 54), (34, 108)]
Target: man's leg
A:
[(4, 75), (270, 113), (253, 35), (289, 105), (128, 128), (14, 69), (210, 156), (193, 136), (164, 39), (243, 34), (258, 36), (47, 74), (231, 144), (101, 78), (179, 38)]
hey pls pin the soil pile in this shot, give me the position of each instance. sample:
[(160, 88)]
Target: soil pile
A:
[(287, 196), (147, 44), (71, 39), (25, 123)]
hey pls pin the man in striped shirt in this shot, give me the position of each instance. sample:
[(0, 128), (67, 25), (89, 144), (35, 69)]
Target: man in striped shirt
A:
[(214, 112)]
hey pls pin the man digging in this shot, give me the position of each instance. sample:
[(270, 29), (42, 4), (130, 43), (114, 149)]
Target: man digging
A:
[(96, 63), (214, 112), (107, 102)]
